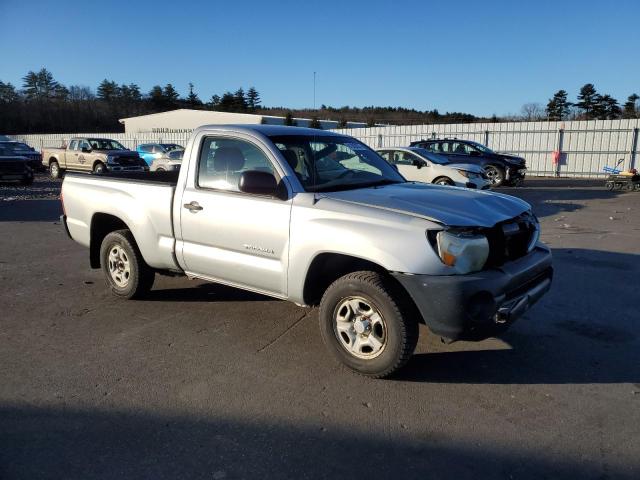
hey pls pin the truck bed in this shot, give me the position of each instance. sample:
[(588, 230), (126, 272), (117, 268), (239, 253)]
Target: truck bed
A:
[(143, 201)]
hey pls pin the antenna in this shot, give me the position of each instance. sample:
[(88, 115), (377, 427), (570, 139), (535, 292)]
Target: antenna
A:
[(314, 90)]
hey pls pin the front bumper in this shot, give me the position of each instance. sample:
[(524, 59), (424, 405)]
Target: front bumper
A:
[(515, 175), (480, 304)]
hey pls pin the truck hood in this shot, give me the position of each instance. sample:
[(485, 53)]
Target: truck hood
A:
[(452, 206)]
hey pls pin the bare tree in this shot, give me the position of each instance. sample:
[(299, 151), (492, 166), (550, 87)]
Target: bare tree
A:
[(532, 111)]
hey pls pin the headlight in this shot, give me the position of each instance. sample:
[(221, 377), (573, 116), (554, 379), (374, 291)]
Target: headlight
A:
[(111, 160), (465, 252)]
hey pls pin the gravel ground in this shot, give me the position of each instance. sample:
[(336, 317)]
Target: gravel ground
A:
[(42, 188), (204, 381)]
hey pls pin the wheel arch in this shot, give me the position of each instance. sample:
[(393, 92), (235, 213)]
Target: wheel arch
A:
[(102, 224)]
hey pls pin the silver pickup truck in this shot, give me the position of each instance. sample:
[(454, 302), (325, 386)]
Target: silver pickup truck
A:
[(318, 218)]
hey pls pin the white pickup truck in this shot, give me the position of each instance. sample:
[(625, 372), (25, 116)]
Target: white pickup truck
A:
[(318, 218)]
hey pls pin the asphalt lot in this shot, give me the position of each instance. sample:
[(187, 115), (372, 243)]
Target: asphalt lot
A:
[(205, 381)]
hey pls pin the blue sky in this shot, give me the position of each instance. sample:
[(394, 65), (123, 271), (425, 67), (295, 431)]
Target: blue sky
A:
[(480, 57)]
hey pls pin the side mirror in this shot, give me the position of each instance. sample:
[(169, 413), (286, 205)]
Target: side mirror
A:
[(86, 150), (419, 163), (258, 183)]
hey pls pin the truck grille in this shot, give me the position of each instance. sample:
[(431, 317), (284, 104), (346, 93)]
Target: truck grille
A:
[(511, 239), (9, 167)]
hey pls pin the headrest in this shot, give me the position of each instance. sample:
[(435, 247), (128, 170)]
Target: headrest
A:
[(291, 158), (228, 159)]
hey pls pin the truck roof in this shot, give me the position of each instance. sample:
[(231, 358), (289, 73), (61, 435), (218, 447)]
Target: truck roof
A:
[(268, 130)]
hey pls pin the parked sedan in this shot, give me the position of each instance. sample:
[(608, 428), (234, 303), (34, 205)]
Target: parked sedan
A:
[(169, 162), (501, 168), (419, 165), (153, 151)]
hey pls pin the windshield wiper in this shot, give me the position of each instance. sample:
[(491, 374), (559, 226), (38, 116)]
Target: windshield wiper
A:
[(352, 186)]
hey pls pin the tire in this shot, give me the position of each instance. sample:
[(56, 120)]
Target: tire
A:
[(54, 170), (609, 186), (393, 323), (160, 169), (495, 174), (126, 273), (444, 181), (99, 168)]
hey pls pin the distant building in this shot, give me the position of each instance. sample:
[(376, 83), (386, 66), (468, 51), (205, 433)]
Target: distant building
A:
[(185, 120)]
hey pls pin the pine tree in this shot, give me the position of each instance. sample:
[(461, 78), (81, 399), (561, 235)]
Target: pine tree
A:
[(227, 102), (156, 97), (192, 97), (253, 99), (558, 107), (588, 101), (40, 85), (607, 108), (108, 90), (240, 104), (215, 102), (8, 93), (170, 95), (630, 108)]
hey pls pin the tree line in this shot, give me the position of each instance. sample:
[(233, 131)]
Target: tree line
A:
[(589, 105), (43, 105)]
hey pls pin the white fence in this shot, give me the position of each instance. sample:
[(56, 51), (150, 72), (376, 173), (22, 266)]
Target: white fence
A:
[(585, 146)]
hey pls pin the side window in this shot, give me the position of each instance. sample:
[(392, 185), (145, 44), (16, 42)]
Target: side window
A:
[(83, 144), (145, 148), (460, 148), (386, 155), (432, 147), (73, 145), (402, 158), (407, 158), (157, 149), (222, 161)]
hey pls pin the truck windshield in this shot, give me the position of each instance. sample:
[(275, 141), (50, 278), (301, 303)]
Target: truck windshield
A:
[(105, 144), (329, 163)]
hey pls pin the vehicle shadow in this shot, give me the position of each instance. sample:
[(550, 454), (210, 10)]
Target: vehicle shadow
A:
[(30, 210), (580, 332), (205, 292), (553, 201), (110, 444)]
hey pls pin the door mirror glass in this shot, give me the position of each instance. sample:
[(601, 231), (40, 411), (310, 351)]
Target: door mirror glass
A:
[(258, 183)]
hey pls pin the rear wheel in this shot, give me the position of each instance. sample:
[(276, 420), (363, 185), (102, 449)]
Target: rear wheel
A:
[(99, 168), (495, 174), (126, 272), (160, 169), (609, 185), (54, 170), (367, 323), (444, 181)]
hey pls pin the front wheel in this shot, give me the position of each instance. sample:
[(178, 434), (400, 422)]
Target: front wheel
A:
[(54, 170), (367, 323), (495, 175), (444, 181), (99, 168), (126, 272)]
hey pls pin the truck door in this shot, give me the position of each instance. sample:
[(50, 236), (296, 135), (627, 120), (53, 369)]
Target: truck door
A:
[(69, 156), (84, 159), (227, 235)]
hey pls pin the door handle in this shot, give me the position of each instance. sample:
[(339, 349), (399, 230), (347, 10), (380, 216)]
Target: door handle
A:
[(193, 207)]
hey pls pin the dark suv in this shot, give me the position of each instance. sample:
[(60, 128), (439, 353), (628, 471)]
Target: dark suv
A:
[(501, 169)]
